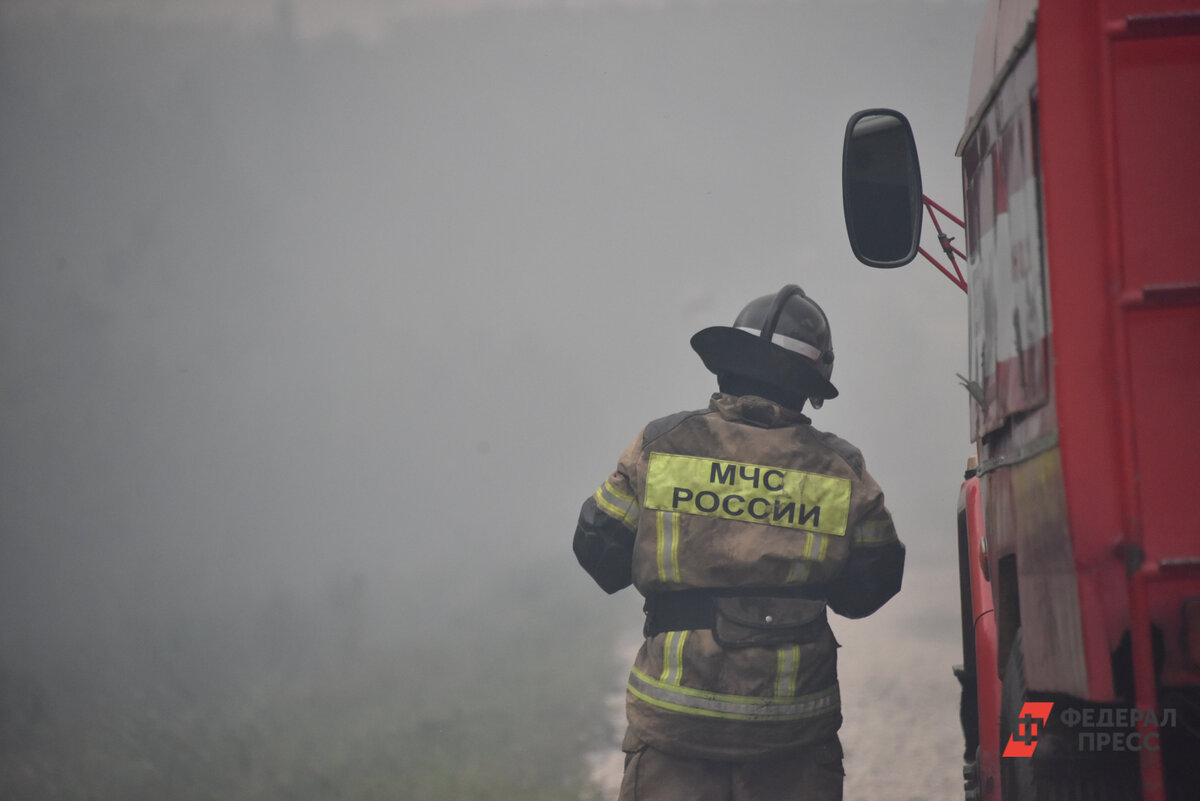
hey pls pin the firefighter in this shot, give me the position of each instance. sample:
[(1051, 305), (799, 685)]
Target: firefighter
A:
[(741, 524)]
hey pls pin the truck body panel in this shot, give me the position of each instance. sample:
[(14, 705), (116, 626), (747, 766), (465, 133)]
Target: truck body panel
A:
[(1081, 196), (1080, 177)]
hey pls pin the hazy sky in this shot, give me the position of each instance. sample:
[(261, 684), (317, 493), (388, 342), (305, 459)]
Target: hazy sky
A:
[(368, 19), (275, 304)]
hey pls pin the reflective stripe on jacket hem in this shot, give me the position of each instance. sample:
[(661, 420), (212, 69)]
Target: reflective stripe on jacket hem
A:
[(731, 707)]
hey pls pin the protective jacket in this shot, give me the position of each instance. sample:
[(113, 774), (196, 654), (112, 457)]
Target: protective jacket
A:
[(740, 523)]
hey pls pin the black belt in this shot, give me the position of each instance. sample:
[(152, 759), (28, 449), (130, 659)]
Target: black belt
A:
[(688, 610)]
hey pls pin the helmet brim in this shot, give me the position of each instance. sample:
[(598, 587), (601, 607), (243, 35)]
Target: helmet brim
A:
[(727, 350)]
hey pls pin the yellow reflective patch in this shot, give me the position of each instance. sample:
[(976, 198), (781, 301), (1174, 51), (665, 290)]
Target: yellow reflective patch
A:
[(749, 493)]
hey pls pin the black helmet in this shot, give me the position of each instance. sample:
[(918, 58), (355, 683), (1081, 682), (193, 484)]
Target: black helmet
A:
[(781, 339)]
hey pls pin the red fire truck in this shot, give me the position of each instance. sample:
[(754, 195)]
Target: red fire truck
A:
[(1079, 536)]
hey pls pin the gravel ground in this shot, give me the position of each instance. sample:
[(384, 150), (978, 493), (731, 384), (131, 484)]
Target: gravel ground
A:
[(899, 698)]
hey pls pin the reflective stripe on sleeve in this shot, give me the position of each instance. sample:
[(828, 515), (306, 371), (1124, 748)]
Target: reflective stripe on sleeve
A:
[(617, 504), (874, 532), (731, 707)]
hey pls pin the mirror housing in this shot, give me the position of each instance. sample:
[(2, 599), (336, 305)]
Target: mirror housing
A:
[(881, 188)]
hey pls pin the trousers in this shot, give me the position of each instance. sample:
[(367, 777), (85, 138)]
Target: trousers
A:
[(813, 775)]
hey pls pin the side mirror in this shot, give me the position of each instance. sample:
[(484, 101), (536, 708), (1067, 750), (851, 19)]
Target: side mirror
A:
[(881, 188)]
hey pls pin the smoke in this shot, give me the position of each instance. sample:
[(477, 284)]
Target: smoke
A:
[(311, 346)]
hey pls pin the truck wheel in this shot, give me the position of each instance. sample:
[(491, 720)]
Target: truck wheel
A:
[(971, 789), (1058, 771), (1016, 773)]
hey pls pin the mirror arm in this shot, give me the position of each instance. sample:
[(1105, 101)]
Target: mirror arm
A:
[(930, 203), (946, 242)]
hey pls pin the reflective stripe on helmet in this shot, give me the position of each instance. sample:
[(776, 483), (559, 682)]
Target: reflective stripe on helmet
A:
[(790, 343), (617, 504), (731, 707)]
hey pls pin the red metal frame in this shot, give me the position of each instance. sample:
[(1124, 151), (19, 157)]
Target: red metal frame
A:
[(949, 249), (983, 626), (1145, 691)]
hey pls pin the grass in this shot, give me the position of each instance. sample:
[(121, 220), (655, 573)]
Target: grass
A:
[(497, 700)]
